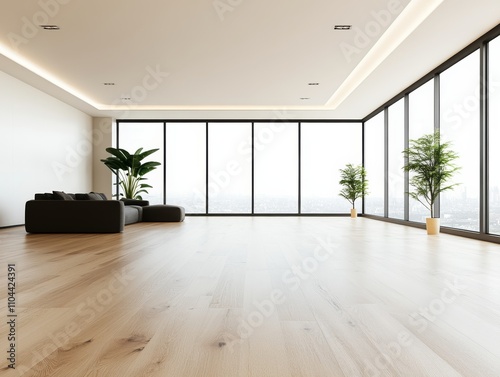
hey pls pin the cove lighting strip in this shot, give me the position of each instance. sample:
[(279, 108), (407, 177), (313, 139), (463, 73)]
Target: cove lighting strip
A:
[(16, 58), (407, 22)]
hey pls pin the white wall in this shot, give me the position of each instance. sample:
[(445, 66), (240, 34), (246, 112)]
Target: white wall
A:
[(45, 145)]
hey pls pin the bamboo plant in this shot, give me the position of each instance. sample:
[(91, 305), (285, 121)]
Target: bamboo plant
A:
[(432, 165), (353, 182)]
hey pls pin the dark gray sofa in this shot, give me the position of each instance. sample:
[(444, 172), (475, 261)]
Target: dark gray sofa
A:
[(59, 212), (47, 214), (77, 216)]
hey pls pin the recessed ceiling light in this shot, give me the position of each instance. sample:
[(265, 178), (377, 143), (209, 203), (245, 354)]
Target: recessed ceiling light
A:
[(109, 83), (50, 27), (342, 27), (313, 83)]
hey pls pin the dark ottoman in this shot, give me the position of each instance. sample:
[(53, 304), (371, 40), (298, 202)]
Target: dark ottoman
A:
[(161, 212)]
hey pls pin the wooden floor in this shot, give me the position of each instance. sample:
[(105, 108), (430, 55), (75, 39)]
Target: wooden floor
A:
[(326, 297)]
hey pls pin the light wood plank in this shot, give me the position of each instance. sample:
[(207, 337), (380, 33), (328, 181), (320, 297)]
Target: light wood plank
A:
[(308, 351), (176, 299)]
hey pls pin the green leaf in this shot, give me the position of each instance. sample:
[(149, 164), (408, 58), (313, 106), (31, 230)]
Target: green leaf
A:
[(130, 170), (354, 183), (432, 165)]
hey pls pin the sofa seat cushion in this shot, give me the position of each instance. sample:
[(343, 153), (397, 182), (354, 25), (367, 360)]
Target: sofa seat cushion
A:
[(161, 212), (133, 214)]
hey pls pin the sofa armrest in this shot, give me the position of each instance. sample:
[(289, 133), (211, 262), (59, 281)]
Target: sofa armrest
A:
[(74, 216)]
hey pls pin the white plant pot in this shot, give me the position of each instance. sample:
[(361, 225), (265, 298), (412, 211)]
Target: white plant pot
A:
[(354, 213), (432, 225)]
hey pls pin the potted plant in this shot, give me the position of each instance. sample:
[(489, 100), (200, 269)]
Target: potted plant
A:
[(130, 170), (354, 184), (431, 163)]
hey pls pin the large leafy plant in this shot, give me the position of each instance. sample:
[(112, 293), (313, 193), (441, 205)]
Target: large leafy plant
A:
[(432, 165), (353, 182), (130, 170)]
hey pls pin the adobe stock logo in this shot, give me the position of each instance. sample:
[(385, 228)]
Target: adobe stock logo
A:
[(85, 313), (418, 322), (468, 106), (31, 26), (77, 154), (223, 6), (292, 279), (222, 178), (379, 22)]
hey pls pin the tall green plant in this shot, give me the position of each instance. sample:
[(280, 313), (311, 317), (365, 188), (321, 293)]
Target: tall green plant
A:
[(353, 182), (130, 170), (432, 165)]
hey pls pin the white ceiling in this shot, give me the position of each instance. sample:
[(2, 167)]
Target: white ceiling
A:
[(241, 56)]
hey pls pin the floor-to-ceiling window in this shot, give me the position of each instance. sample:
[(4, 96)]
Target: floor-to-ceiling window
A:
[(374, 164), (460, 104), (249, 167), (451, 99), (421, 122), (396, 144), (185, 165), (276, 150), (494, 135), (230, 167), (147, 136), (326, 148)]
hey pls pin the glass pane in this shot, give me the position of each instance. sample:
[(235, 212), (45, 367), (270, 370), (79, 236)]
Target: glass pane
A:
[(185, 165), (230, 167), (326, 148), (460, 124), (374, 164), (147, 136), (276, 167), (494, 134), (396, 160), (421, 117)]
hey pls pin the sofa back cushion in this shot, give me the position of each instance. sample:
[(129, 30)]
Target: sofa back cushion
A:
[(45, 196), (89, 196), (101, 194), (61, 195)]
